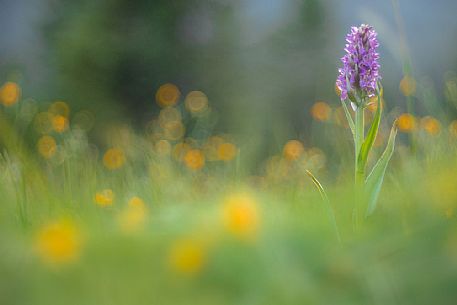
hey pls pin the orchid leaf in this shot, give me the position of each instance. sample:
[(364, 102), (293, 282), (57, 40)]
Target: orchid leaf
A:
[(369, 140), (374, 180)]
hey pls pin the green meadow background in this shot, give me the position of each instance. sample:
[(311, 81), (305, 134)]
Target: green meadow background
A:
[(159, 152)]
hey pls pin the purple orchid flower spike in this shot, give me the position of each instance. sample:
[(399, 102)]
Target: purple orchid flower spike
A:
[(359, 74)]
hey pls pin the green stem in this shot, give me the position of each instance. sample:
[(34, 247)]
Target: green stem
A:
[(359, 172), (359, 138)]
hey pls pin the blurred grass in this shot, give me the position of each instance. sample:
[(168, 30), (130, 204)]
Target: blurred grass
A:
[(168, 217)]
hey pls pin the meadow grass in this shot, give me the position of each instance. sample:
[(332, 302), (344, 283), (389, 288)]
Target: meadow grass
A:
[(158, 216)]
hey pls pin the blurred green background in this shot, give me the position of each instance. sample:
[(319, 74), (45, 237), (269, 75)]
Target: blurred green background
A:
[(117, 213), (262, 63)]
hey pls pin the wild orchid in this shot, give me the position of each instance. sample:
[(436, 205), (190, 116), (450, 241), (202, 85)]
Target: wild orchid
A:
[(358, 81)]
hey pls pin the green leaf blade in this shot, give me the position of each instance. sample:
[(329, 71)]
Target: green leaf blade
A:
[(327, 206), (370, 138), (375, 179)]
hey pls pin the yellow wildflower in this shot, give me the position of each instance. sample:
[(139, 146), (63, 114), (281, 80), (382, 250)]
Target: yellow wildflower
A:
[(408, 85), (240, 216), (431, 125), (9, 93), (321, 111), (194, 159), (293, 150), (47, 146), (167, 95), (113, 158), (187, 256), (226, 151), (104, 198), (60, 123), (59, 242), (406, 122), (133, 217)]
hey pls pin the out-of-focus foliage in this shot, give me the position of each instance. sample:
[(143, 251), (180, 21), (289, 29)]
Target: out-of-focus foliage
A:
[(166, 162), (113, 55), (158, 216)]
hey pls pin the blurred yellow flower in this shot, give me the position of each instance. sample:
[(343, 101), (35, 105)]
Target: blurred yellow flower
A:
[(196, 102), (226, 151), (60, 123), (167, 95), (9, 93), (321, 111), (408, 85), (113, 158), (240, 216), (47, 146), (194, 159), (59, 242), (136, 203), (293, 150), (406, 122), (187, 256), (133, 217), (104, 198), (431, 125)]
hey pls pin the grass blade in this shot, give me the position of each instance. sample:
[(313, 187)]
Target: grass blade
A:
[(328, 207)]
